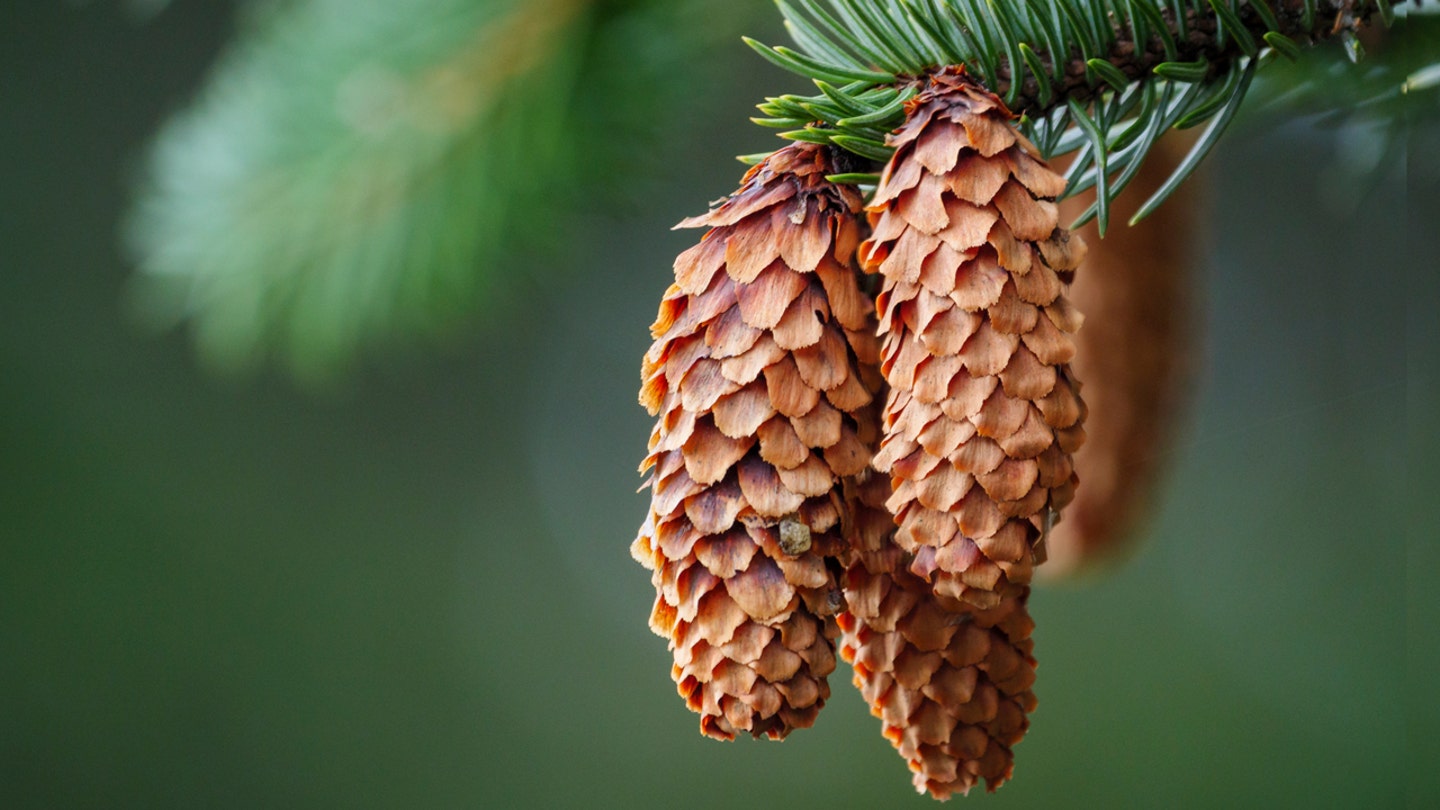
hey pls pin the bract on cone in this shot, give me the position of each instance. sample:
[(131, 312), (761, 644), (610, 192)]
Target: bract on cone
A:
[(983, 413), (756, 377), (950, 682)]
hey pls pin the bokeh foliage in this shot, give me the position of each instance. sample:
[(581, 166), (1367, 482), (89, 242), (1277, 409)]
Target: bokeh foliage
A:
[(360, 172)]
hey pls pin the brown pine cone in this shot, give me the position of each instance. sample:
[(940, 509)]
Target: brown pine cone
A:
[(983, 413), (1137, 356), (755, 375), (951, 683)]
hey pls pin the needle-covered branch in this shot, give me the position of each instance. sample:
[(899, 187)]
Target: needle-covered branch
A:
[(1102, 79)]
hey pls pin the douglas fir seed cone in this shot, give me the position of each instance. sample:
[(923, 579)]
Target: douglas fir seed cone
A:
[(983, 413), (755, 377), (950, 682)]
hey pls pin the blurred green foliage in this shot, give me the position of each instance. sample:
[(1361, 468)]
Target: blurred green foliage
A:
[(1394, 90), (356, 173)]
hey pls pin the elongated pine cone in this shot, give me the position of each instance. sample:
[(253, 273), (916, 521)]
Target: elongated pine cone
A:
[(1137, 356), (756, 377), (950, 682), (983, 413)]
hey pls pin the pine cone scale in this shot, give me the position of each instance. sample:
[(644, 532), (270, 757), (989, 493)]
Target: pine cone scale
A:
[(754, 375), (971, 262)]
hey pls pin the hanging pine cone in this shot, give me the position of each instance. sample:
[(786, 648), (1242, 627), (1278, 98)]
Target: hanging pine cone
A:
[(951, 683), (755, 376), (1137, 356), (983, 413)]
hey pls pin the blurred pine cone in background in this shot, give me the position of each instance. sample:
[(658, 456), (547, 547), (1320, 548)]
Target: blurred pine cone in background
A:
[(1137, 355)]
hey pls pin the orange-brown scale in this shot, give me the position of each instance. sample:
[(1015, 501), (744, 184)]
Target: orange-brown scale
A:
[(983, 412), (950, 682), (756, 377)]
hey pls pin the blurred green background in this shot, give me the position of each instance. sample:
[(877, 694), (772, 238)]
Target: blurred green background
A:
[(412, 587)]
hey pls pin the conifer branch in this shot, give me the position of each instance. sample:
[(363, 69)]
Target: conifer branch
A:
[(1102, 79), (1205, 44)]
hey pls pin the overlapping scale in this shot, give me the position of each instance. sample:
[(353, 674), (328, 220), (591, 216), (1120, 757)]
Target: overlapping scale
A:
[(950, 682), (764, 354), (983, 413)]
